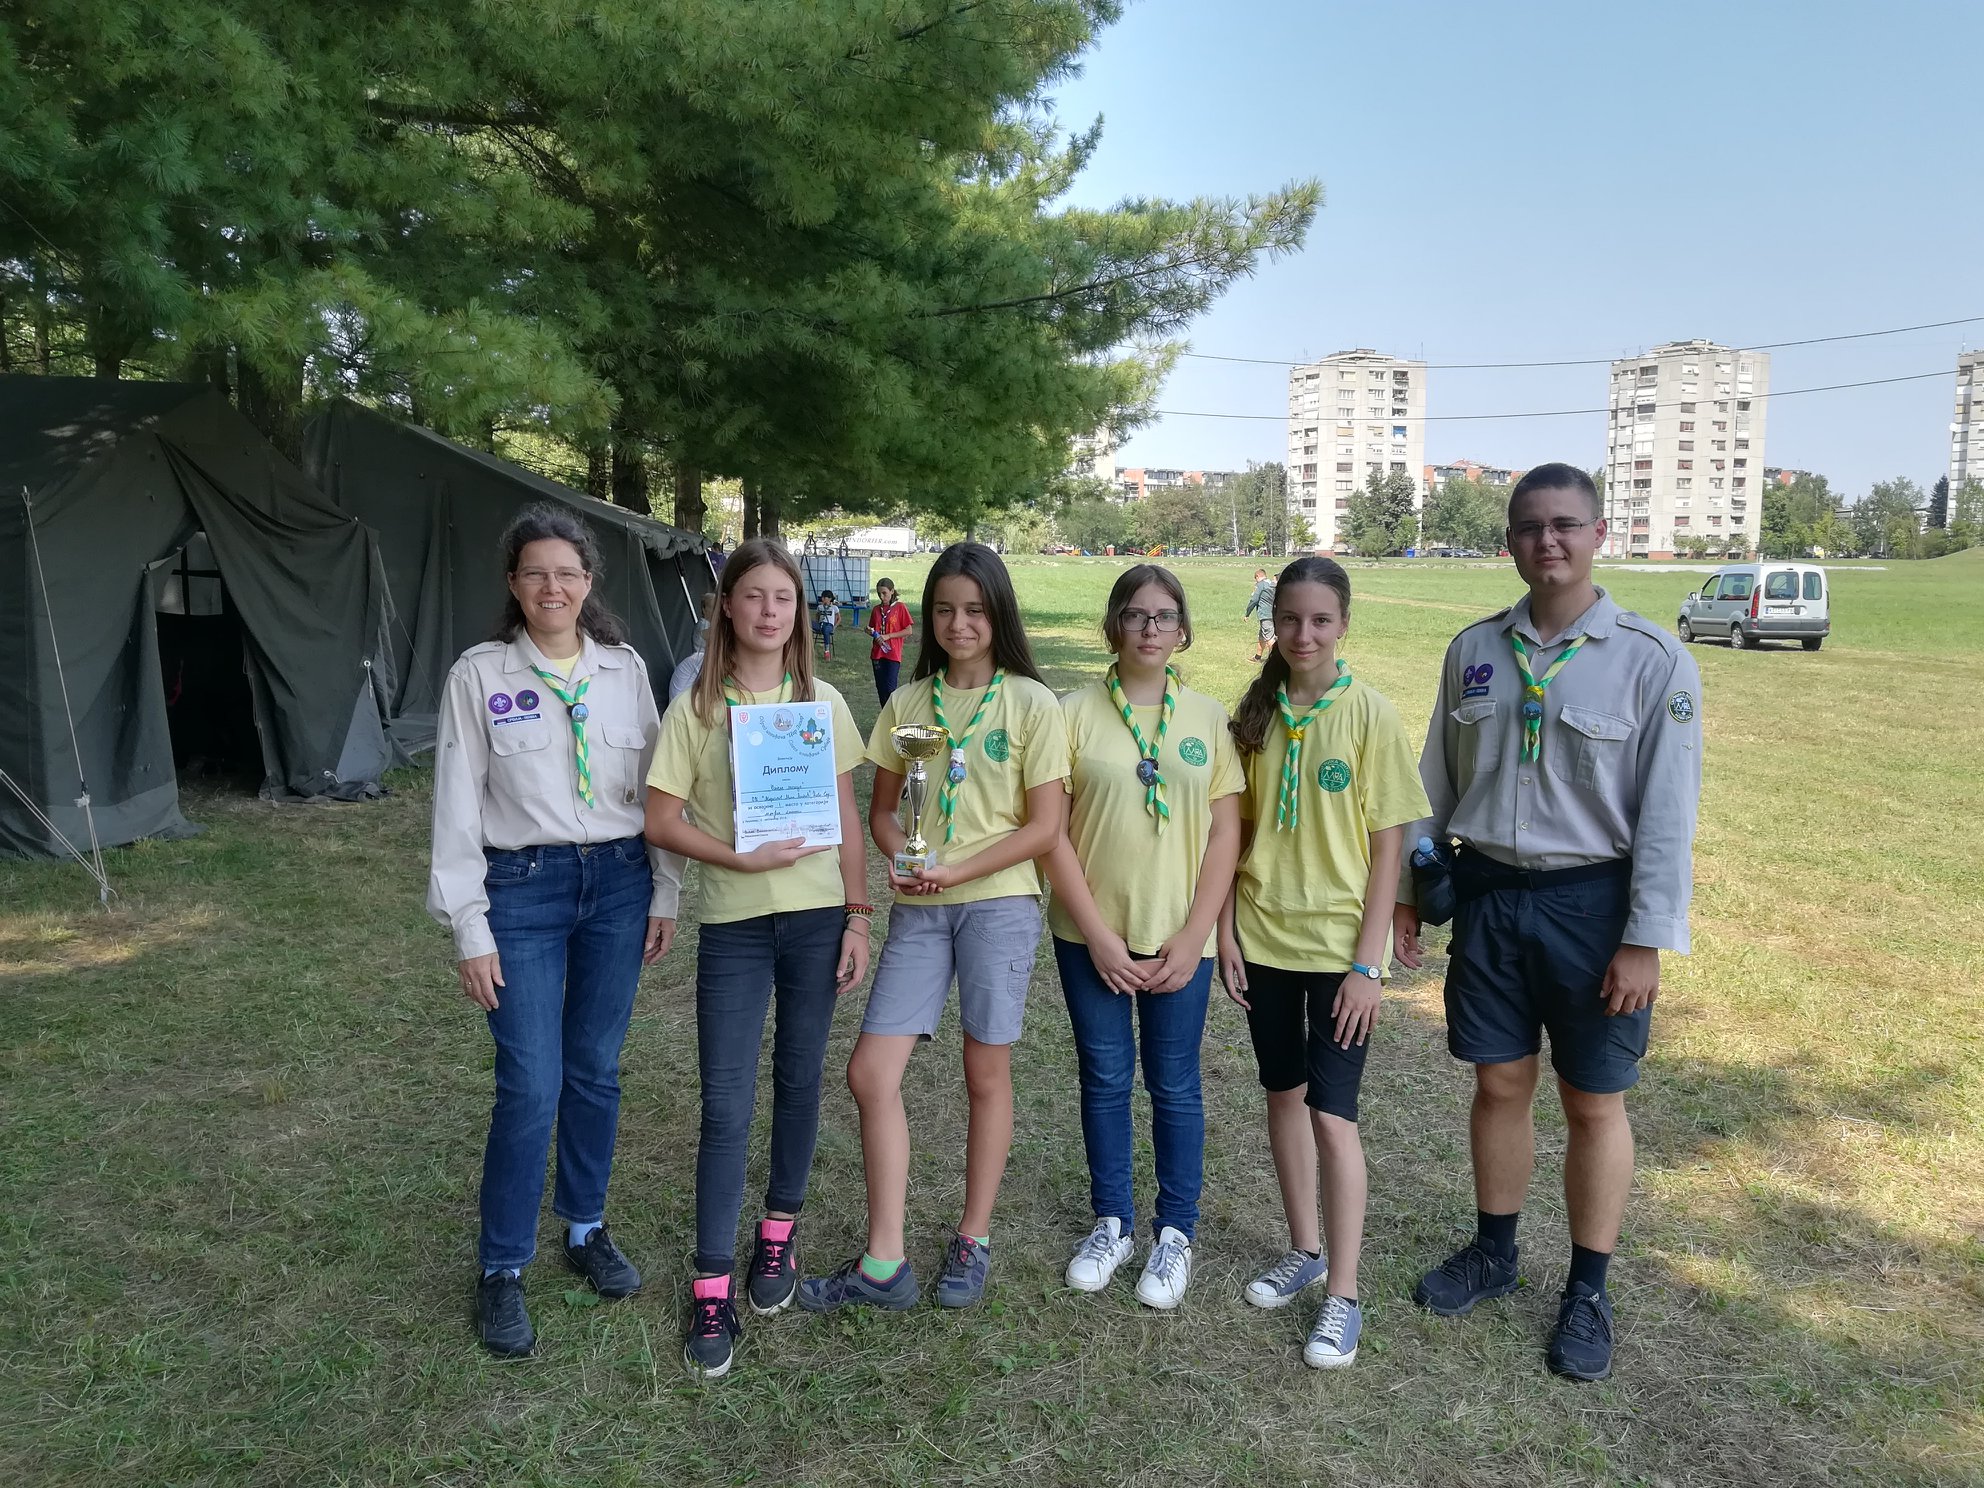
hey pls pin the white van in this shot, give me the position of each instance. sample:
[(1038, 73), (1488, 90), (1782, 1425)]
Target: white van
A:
[(1754, 602)]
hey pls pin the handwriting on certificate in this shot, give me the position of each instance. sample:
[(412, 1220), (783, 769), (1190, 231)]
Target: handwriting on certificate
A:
[(782, 770)]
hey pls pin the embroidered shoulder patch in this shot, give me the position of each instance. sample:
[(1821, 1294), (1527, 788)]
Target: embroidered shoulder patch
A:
[(1681, 707)]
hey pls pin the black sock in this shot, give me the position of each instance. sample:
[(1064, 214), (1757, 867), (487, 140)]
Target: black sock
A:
[(1314, 1255), (1496, 1233), (1588, 1266)]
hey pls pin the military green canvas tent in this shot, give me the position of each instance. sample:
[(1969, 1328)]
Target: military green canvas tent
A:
[(439, 509), (141, 518)]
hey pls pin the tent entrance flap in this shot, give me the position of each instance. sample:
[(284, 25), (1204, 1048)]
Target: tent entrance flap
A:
[(209, 708)]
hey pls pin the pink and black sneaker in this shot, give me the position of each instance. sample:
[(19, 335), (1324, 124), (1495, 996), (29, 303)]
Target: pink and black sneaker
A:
[(713, 1327), (774, 1279)]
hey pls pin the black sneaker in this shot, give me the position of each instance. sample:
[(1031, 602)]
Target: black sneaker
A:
[(1581, 1348), (500, 1317), (1469, 1276), (713, 1334), (774, 1279), (847, 1287), (600, 1262)]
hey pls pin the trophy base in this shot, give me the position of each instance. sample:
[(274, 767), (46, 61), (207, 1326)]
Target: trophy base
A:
[(908, 862)]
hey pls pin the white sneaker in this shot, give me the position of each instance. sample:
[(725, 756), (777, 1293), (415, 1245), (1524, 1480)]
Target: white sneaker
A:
[(1097, 1257), (1285, 1280), (1167, 1271), (1333, 1341)]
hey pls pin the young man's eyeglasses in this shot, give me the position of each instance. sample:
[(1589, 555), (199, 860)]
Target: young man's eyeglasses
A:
[(1529, 532), (1163, 621)]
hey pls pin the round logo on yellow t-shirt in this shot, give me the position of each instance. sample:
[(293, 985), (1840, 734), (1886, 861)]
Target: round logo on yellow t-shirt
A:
[(997, 746), (1333, 775), (1192, 751)]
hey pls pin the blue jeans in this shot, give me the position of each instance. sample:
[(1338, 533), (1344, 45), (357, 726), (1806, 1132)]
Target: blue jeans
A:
[(738, 967), (888, 674), (569, 923), (1106, 1053)]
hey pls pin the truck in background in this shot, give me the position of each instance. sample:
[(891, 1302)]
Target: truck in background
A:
[(881, 542)]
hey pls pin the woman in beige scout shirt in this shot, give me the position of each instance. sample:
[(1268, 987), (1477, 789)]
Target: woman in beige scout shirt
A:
[(555, 901)]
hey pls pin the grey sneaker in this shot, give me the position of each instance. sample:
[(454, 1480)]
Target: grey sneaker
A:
[(1284, 1281), (1464, 1279), (966, 1265), (847, 1287), (1333, 1341)]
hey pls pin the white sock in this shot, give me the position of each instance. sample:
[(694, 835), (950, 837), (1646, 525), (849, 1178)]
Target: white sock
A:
[(578, 1234), (501, 1271)]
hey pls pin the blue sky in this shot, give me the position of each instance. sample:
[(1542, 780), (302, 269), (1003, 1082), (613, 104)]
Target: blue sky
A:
[(1511, 182)]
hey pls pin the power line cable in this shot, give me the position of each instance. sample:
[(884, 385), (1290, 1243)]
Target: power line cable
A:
[(1934, 325), (1457, 418)]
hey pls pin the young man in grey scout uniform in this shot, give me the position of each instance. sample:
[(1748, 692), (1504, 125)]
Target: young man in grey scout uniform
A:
[(1565, 754)]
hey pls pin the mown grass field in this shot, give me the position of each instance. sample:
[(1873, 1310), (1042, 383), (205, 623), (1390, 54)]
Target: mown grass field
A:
[(244, 1115)]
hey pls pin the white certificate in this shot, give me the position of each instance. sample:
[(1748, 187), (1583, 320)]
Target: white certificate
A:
[(783, 781)]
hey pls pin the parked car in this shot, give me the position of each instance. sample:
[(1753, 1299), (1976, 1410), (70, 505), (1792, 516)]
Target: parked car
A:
[(1755, 602)]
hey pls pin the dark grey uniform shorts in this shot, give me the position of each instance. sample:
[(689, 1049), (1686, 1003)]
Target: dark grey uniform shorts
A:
[(1529, 954)]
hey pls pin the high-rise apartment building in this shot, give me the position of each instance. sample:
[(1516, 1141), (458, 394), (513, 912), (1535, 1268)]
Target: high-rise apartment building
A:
[(1685, 449), (1349, 415), (1967, 427), (1093, 456)]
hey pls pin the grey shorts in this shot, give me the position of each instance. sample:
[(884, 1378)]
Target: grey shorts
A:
[(1267, 630), (987, 945)]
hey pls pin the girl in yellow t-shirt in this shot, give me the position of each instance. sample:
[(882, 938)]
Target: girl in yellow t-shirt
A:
[(995, 805), (1139, 881), (785, 919), (1331, 783)]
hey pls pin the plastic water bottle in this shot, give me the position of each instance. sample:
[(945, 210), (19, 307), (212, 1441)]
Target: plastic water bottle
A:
[(1432, 882)]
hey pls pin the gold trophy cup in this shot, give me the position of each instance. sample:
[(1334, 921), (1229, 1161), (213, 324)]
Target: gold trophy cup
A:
[(917, 742)]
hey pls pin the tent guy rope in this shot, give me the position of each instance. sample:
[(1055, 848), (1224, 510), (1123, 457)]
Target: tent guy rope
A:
[(93, 862)]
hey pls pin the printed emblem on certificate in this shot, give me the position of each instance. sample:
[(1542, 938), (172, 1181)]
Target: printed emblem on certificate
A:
[(783, 781)]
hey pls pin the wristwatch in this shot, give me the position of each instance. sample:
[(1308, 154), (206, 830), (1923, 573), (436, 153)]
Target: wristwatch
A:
[(1370, 971)]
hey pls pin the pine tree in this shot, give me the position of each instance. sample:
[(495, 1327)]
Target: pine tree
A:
[(815, 245)]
